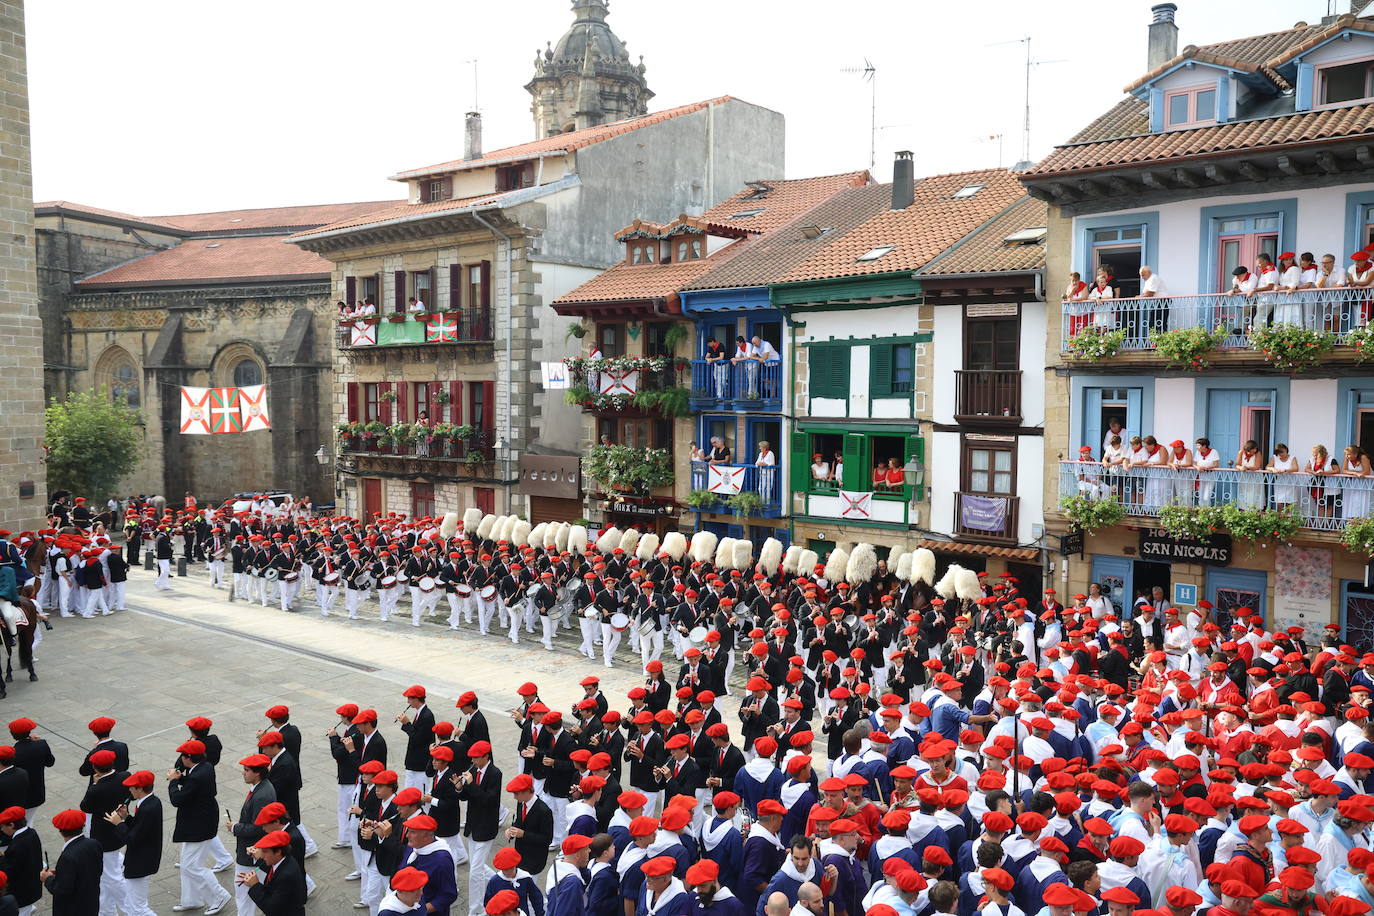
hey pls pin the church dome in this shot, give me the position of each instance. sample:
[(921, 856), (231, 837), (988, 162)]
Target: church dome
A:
[(589, 29)]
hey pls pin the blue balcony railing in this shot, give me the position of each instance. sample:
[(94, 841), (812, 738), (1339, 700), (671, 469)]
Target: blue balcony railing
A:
[(1322, 502), (745, 385), (744, 478), (1339, 310)]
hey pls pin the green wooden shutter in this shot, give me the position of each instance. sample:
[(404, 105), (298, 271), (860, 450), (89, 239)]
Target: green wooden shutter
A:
[(818, 362), (879, 370), (801, 460), (856, 476), (839, 371), (916, 448)]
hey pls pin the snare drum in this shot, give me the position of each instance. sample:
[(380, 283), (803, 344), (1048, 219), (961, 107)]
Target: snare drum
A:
[(331, 578), (698, 634), (426, 584), (591, 613), (388, 581), (291, 576), (487, 593), (464, 591), (620, 622), (271, 574)]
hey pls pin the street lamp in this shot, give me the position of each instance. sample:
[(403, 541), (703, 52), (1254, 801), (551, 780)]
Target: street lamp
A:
[(913, 473), (321, 456)]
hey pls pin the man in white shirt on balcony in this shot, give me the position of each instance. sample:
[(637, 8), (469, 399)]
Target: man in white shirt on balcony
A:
[(1151, 287), (1266, 286), (1114, 428), (763, 352), (1243, 283), (766, 463), (1289, 310)]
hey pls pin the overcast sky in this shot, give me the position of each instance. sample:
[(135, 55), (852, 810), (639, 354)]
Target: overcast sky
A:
[(168, 106)]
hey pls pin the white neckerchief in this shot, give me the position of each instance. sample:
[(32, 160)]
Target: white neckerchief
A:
[(757, 829), (670, 893), (791, 791), (711, 836)]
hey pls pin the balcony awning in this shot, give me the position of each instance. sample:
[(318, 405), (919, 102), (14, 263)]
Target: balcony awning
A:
[(1025, 554)]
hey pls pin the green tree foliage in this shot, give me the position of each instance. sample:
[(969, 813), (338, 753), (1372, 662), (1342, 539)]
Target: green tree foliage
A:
[(92, 442)]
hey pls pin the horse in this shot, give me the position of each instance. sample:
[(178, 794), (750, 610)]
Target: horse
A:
[(23, 638)]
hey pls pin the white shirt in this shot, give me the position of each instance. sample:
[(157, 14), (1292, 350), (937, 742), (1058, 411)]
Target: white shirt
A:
[(765, 460), (1107, 439), (1152, 284), (766, 352), (820, 471), (1245, 285), (1308, 277), (1291, 277)]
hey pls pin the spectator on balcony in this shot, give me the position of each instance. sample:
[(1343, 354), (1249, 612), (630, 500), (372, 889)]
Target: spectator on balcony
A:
[(367, 308), (415, 306), (694, 452), (1308, 270), (767, 464), (1181, 460), (719, 453), (1114, 460), (1355, 495), (1323, 491), (422, 440), (1205, 459), (1248, 459), (1136, 455), (896, 478), (1076, 303), (820, 468), (1360, 274), (1289, 309), (1089, 477), (1157, 483), (1101, 294), (345, 312), (1152, 287), (837, 474), (764, 352), (1114, 428), (719, 368), (880, 477), (1266, 288), (1285, 492)]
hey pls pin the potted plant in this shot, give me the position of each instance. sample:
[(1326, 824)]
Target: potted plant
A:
[(474, 460), (1290, 348), (1259, 526), (744, 502), (576, 329), (1195, 522), (702, 500), (1359, 536), (373, 429), (676, 334), (442, 396), (389, 396), (1091, 514), (1093, 343), (1187, 347)]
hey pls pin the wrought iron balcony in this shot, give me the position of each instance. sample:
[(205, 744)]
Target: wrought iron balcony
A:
[(746, 385), (730, 479), (461, 326)]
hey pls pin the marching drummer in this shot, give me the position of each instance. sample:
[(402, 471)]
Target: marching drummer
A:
[(327, 575), (287, 564), (452, 576), (388, 585), (588, 616), (357, 581), (483, 581), (648, 614), (416, 568), (614, 621), (544, 598), (511, 591)]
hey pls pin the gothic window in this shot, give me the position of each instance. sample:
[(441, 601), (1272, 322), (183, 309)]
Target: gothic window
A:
[(125, 384), (116, 373), (246, 373)]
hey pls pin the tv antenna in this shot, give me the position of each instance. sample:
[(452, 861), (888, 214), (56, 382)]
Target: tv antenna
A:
[(474, 83), (1026, 119), (869, 73)]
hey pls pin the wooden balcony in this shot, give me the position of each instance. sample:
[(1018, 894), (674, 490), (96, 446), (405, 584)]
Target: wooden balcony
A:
[(988, 519), (988, 396)]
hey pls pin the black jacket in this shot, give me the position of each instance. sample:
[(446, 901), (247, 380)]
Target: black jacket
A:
[(246, 833), (14, 787), (444, 808), (280, 892), (538, 826), (685, 781), (345, 762), (193, 795), (103, 796), (32, 755), (641, 768), (484, 805), (141, 835), (75, 884), (23, 860), (419, 737), (121, 761), (285, 777), (559, 777)]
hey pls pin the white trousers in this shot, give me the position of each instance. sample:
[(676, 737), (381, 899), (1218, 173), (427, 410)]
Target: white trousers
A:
[(650, 647), (456, 849), (218, 854), (117, 595), (329, 594), (112, 884), (455, 610), (242, 902), (479, 873), (216, 573), (610, 641), (416, 778), (285, 593), (374, 888), (345, 802), (164, 573), (353, 599), (95, 601), (240, 585), (588, 628), (386, 600), (259, 590), (424, 608), (549, 624), (310, 847), (136, 897), (485, 609), (198, 884), (560, 818), (510, 617)]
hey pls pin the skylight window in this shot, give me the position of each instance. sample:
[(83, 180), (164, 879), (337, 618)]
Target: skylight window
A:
[(745, 214), (815, 232), (1026, 236), (874, 254), (966, 191)]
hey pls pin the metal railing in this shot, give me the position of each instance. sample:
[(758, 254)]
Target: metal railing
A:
[(765, 481), (1339, 310), (458, 326), (988, 394), (975, 524), (480, 444), (1322, 502), (745, 381)]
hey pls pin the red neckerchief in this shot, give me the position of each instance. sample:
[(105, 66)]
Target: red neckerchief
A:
[(1153, 450), (1204, 452)]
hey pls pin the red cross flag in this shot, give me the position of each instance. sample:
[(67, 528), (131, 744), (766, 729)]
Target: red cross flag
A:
[(253, 408), (362, 334), (724, 480), (195, 411), (625, 381), (856, 505)]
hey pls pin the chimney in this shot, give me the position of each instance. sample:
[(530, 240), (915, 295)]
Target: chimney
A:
[(1163, 41), (472, 143), (903, 181)]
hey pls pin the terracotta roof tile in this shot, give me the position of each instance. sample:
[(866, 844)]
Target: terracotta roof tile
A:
[(251, 258), (574, 140), (985, 550), (1126, 118), (271, 217), (920, 232), (777, 253), (641, 281), (1254, 54), (1302, 127), (783, 200), (94, 211), (402, 210), (986, 250)]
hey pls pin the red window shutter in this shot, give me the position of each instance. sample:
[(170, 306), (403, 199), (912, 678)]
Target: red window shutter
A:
[(489, 405), (455, 286), (485, 498), (486, 286), (350, 290), (351, 396), (402, 407), (383, 404), (400, 278), (436, 411), (448, 187), (455, 403)]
